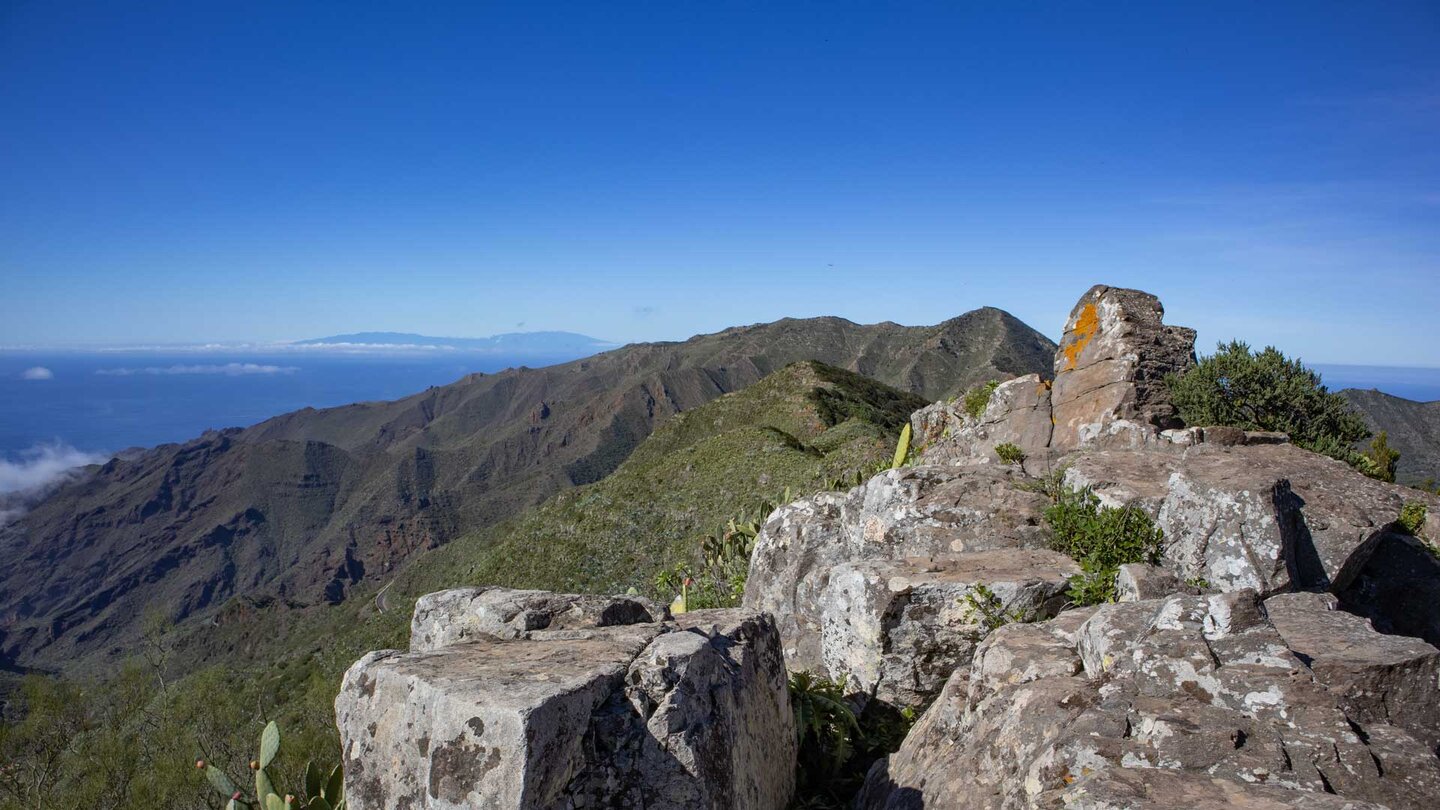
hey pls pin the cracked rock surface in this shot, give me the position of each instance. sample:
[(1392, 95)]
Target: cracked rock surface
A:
[(1178, 702), (558, 701)]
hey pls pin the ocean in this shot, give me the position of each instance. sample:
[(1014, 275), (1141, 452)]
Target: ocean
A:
[(102, 402)]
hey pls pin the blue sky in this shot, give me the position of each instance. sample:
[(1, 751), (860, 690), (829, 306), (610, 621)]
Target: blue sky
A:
[(262, 171)]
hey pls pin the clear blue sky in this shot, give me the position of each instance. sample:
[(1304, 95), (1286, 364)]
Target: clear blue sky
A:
[(244, 170)]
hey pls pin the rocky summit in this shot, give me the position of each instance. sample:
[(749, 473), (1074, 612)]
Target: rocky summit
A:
[(1276, 650)]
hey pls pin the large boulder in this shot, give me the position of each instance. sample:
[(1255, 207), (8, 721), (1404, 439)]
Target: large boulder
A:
[(556, 701), (829, 567), (1262, 515), (1187, 701), (1110, 369), (896, 629), (1375, 677)]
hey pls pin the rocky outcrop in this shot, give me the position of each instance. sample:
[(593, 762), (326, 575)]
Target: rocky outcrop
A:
[(1191, 690), (1267, 516), (1186, 701), (868, 587), (1108, 388), (524, 699), (1110, 370), (1279, 655)]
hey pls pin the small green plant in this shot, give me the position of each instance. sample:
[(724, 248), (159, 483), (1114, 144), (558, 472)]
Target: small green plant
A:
[(1379, 459), (719, 579), (1051, 485), (902, 448), (837, 742), (985, 608), (1412, 517), (975, 400), (1009, 453), (1100, 539), (321, 792), (825, 727), (1198, 582)]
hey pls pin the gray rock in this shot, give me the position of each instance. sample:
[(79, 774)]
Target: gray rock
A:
[(1109, 385), (1018, 413), (923, 512), (897, 629), (1188, 701), (1398, 588), (454, 616), (1376, 677), (1266, 516), (688, 713), (1139, 581)]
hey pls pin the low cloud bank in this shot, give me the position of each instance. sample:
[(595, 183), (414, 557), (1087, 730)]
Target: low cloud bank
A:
[(32, 474), (228, 370), (37, 373), (43, 465)]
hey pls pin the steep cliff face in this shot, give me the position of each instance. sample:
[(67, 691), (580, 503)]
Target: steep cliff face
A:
[(304, 506)]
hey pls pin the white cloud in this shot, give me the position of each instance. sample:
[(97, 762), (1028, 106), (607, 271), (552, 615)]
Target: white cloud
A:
[(228, 370), (43, 466), (37, 373)]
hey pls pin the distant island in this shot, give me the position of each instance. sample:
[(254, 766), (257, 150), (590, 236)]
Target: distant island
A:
[(509, 343)]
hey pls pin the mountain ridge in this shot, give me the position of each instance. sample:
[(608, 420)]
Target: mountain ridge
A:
[(306, 505), (1411, 427)]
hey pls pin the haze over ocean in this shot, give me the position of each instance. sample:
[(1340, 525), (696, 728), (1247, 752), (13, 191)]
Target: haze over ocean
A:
[(102, 402)]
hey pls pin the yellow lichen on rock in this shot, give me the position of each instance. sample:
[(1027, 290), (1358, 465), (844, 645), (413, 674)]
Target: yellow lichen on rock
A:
[(1085, 328)]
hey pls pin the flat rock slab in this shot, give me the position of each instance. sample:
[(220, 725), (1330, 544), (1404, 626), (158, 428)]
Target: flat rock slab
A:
[(690, 713), (1376, 677), (457, 615)]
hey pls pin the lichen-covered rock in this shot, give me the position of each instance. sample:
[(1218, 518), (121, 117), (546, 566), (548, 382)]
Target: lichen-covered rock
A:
[(1375, 677), (687, 713), (1109, 387), (926, 512), (453, 616), (1017, 413), (1190, 701), (897, 629), (1268, 516)]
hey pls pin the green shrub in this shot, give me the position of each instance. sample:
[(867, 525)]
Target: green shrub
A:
[(837, 743), (719, 580), (1379, 460), (975, 400), (1268, 391), (1009, 453), (985, 608), (1412, 517), (1100, 539)]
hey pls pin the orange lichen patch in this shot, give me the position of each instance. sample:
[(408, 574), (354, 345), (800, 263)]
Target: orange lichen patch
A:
[(1085, 328)]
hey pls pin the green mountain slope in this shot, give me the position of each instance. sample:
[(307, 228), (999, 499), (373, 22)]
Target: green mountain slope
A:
[(315, 506), (794, 430), (266, 657)]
